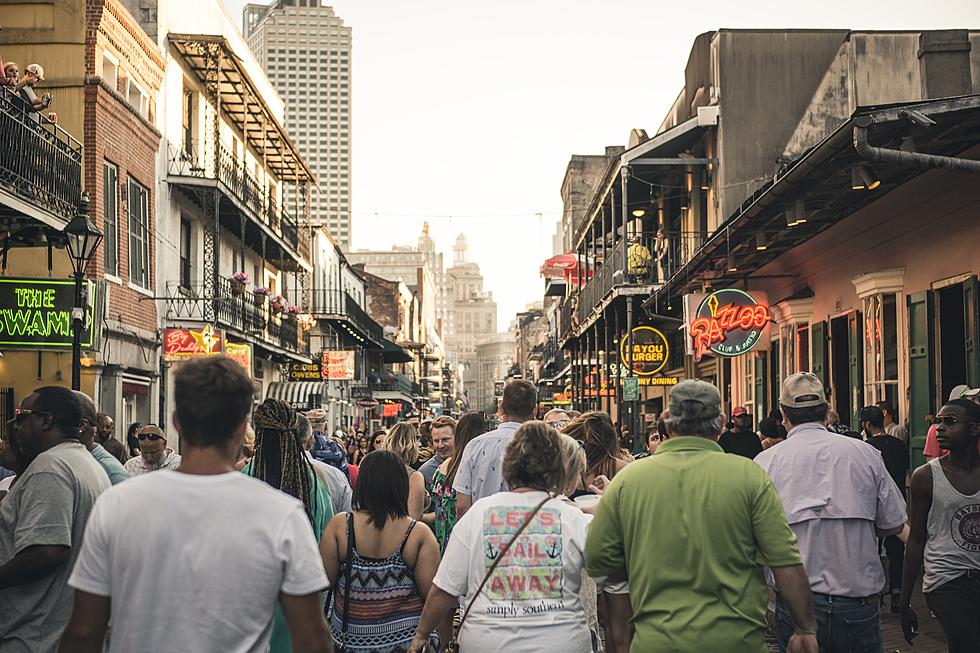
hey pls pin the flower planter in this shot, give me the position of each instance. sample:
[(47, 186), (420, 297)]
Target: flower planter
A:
[(261, 299), (237, 288)]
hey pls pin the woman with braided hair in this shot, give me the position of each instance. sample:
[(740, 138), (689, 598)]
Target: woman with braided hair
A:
[(279, 461)]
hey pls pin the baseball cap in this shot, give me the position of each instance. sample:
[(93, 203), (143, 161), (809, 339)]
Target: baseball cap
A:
[(802, 390), (36, 69), (153, 429), (686, 397), (739, 410), (316, 415), (962, 391)]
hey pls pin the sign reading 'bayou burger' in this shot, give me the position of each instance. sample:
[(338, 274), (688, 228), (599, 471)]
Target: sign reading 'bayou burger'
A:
[(650, 351), (728, 322)]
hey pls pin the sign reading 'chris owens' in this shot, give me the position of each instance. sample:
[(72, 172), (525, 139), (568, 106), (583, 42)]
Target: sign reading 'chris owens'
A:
[(36, 313)]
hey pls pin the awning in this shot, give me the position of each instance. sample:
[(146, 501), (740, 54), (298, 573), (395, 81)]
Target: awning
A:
[(392, 395), (556, 377), (393, 353), (672, 141), (303, 395)]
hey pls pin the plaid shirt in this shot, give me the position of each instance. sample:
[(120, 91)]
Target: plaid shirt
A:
[(136, 466)]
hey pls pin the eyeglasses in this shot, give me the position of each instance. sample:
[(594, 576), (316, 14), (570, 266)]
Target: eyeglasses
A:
[(152, 437), (948, 420), (558, 424), (20, 414)]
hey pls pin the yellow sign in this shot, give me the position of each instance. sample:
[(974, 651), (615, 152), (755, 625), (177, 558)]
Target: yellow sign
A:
[(240, 352), (650, 351)]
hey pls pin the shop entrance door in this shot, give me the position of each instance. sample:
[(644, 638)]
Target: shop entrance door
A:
[(951, 334), (840, 377)]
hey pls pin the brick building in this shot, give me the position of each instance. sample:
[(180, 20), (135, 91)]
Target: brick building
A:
[(123, 74), (103, 73)]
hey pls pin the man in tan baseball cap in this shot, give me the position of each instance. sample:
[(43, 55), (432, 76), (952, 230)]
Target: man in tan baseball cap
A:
[(839, 499), (154, 453)]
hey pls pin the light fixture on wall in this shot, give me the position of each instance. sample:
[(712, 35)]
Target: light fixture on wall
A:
[(796, 215), (730, 263), (760, 242), (639, 212), (864, 178)]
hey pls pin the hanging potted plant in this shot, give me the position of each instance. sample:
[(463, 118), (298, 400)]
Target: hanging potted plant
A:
[(292, 311), (238, 281), (261, 294), (278, 305)]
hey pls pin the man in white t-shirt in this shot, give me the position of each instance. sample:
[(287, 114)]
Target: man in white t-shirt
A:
[(195, 559)]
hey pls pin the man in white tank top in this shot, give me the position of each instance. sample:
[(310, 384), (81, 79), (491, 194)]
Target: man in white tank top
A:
[(944, 507)]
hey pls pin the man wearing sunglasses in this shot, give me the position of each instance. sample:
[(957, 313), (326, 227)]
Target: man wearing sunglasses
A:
[(42, 520), (154, 454), (944, 514)]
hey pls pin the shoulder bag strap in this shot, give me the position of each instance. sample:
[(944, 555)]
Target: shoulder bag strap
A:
[(348, 563), (503, 552)]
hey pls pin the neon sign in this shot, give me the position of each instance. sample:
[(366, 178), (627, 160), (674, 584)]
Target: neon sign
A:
[(728, 322), (36, 313), (650, 351), (184, 344)]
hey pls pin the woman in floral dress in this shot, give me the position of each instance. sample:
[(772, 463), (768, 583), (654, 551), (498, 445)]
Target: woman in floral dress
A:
[(443, 494)]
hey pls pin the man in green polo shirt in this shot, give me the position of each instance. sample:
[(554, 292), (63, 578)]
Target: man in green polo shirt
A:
[(692, 529)]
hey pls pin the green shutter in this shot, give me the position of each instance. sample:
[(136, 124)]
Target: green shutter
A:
[(970, 329), (921, 386), (761, 409), (818, 347), (855, 349)]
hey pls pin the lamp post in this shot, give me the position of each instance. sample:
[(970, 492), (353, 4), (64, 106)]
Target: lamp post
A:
[(83, 238)]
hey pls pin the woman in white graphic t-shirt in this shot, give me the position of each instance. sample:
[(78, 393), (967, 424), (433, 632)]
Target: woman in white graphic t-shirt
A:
[(530, 602)]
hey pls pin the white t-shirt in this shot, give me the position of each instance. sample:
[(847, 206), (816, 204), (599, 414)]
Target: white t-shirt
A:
[(196, 563), (531, 603)]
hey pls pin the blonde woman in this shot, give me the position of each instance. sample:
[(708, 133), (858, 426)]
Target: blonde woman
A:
[(403, 441)]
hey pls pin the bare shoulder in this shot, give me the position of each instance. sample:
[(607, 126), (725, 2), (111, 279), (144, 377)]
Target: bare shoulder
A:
[(921, 480)]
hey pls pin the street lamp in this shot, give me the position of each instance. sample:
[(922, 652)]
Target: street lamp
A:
[(83, 239)]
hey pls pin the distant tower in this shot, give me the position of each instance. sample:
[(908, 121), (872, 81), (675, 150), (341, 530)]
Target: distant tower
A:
[(459, 250), (305, 49), (425, 240)]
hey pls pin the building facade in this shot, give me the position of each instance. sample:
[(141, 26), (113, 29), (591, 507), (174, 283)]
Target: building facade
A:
[(105, 74), (305, 49), (827, 245), (494, 358)]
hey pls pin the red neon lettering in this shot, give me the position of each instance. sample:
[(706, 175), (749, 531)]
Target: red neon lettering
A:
[(706, 331)]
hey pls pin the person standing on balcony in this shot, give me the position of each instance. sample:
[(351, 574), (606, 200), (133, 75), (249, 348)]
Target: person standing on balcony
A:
[(10, 74), (480, 472), (33, 75), (637, 259)]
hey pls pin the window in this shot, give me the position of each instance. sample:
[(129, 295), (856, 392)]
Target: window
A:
[(185, 253), (110, 71), (110, 215), (188, 122), (881, 348), (138, 98), (139, 235)]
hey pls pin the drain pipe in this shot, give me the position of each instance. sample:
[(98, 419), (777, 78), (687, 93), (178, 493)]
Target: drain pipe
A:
[(901, 157)]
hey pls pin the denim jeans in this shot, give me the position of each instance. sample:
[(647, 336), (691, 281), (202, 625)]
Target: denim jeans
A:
[(844, 624)]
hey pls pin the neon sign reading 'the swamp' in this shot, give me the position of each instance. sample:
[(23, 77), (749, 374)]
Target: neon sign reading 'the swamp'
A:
[(728, 322), (36, 313)]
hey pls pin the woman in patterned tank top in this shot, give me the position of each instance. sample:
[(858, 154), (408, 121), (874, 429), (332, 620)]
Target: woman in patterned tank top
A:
[(379, 563)]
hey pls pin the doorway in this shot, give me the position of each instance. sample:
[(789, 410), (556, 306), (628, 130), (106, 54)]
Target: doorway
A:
[(840, 379), (951, 334)]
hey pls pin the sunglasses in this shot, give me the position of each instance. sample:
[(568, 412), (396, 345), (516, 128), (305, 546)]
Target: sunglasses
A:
[(20, 414), (152, 437), (558, 424)]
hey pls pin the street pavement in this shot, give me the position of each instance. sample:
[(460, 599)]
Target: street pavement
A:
[(930, 639)]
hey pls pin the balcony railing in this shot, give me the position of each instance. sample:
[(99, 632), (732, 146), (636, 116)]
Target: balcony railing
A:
[(391, 382), (261, 203), (645, 261), (40, 163), (246, 313), (340, 304)]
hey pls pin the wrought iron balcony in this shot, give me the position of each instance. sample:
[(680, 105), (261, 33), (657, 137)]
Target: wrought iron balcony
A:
[(258, 202), (40, 166), (246, 313), (391, 382), (644, 260), (339, 306)]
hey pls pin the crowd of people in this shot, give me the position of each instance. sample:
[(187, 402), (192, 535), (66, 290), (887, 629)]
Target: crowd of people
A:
[(268, 533)]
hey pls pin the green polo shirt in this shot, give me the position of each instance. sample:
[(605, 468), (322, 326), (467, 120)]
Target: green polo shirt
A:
[(693, 528)]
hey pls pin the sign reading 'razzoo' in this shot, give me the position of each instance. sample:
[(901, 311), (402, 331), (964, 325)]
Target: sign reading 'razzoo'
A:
[(36, 313), (728, 322)]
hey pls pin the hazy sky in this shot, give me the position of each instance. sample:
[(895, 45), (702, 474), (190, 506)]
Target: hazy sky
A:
[(465, 113)]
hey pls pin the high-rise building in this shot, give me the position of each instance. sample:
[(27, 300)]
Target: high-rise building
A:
[(305, 49)]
